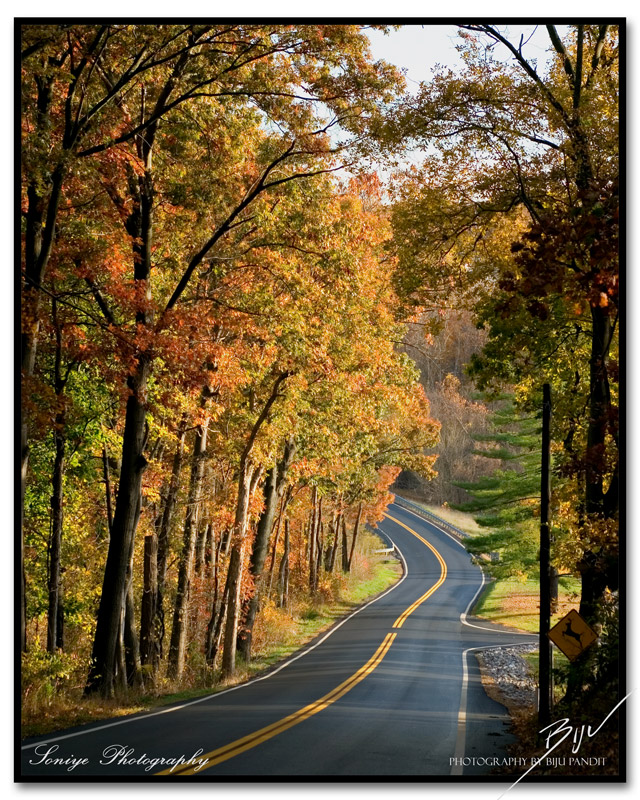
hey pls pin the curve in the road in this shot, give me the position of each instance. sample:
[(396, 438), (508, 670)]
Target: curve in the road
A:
[(402, 618), (408, 648), (252, 740)]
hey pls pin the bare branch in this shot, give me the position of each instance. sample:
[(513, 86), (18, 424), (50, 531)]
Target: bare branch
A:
[(528, 68), (560, 49), (578, 77), (101, 301), (597, 53), (275, 393)]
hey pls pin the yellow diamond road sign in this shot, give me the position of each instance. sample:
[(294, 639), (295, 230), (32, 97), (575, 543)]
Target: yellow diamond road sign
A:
[(572, 635)]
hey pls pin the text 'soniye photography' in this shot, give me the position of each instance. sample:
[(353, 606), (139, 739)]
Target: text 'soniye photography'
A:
[(319, 405)]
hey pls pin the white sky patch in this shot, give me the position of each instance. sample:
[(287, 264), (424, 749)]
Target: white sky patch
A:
[(417, 49)]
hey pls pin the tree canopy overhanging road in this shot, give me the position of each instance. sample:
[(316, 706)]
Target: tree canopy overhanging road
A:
[(390, 691)]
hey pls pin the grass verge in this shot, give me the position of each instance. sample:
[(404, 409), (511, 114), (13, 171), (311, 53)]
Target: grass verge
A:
[(510, 601)]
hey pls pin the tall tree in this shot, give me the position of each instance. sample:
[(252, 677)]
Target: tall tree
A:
[(531, 160), (302, 150)]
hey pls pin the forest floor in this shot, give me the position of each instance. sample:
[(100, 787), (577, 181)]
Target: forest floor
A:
[(52, 704)]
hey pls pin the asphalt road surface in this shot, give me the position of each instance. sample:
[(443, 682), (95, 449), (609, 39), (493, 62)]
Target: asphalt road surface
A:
[(394, 690)]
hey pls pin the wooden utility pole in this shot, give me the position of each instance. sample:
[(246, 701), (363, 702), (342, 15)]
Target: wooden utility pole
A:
[(544, 683)]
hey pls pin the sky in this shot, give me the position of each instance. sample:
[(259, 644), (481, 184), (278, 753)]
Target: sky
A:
[(418, 48)]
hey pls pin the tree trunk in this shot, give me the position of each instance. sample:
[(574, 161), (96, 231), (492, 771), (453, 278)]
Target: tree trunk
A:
[(258, 556), (345, 547), (214, 607), (120, 671), (336, 539), (201, 546), (216, 621), (107, 488), (210, 552), (185, 569), (283, 572), (356, 528), (320, 549), (598, 570), (39, 235), (274, 487), (234, 577), (312, 541), (101, 674), (329, 544), (276, 540), (599, 408), (149, 600), (164, 528), (131, 648), (60, 623), (139, 226), (225, 542), (133, 675), (319, 536), (55, 543), (247, 479)]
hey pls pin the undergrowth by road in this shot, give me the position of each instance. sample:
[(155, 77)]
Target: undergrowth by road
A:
[(279, 633)]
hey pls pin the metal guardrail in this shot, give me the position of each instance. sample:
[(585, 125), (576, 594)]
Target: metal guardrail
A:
[(385, 552), (422, 512)]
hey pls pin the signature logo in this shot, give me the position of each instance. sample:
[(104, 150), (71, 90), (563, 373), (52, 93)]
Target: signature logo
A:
[(558, 732)]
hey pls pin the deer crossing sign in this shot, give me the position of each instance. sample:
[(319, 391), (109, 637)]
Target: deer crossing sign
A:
[(572, 635)]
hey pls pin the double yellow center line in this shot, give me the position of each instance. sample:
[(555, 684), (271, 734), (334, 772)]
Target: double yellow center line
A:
[(257, 737), (253, 739), (443, 574)]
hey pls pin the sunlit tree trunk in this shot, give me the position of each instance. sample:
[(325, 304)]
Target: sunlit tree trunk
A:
[(235, 570), (185, 569), (247, 479), (283, 572), (273, 489), (356, 529)]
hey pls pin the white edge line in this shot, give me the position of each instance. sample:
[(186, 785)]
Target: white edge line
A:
[(143, 716), (463, 616), (493, 630), (422, 519), (462, 713), (457, 769)]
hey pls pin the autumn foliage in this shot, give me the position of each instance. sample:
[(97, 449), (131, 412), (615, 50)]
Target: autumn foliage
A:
[(214, 407)]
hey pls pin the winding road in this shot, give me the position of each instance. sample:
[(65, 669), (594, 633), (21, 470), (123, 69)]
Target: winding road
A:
[(393, 690)]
